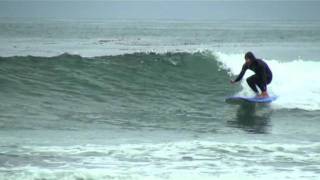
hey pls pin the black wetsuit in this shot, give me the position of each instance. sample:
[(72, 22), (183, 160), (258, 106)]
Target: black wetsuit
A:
[(262, 77)]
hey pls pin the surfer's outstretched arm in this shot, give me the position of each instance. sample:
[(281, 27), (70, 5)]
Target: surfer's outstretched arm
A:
[(240, 76)]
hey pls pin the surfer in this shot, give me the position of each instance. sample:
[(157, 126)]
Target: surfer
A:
[(261, 78)]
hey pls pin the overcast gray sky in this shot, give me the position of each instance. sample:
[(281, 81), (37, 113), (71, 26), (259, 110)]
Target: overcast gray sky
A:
[(187, 10)]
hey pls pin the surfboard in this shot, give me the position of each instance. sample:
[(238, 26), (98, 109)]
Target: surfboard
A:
[(242, 99)]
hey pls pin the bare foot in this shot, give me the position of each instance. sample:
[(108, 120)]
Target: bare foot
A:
[(263, 95)]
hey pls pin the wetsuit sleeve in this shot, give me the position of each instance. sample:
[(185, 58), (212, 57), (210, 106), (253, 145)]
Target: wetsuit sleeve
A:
[(240, 76)]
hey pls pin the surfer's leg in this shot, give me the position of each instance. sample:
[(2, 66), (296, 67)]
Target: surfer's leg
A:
[(252, 82), (260, 84)]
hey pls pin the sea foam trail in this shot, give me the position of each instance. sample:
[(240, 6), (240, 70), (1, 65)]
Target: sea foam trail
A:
[(294, 82), (219, 160)]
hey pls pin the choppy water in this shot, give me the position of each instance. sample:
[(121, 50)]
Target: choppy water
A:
[(145, 100)]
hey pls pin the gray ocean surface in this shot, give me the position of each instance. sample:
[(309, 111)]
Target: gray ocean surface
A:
[(128, 99)]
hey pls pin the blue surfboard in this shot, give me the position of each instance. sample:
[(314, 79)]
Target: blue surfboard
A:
[(242, 99)]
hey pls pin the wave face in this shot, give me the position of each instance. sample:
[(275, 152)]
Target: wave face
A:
[(58, 87), (143, 78)]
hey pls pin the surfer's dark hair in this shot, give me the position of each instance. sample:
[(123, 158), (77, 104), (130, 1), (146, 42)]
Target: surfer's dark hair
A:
[(249, 55)]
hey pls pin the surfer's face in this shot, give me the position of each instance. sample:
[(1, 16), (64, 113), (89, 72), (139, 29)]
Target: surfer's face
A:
[(248, 61)]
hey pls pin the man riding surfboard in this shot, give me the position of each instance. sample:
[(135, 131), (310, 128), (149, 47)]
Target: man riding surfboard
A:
[(261, 78)]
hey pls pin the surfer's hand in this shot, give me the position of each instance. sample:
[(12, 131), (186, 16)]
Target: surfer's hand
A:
[(232, 81)]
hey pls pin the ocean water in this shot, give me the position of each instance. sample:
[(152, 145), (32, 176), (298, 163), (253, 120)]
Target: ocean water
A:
[(127, 99)]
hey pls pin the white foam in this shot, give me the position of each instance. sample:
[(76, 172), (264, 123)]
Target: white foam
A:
[(208, 160), (295, 82)]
